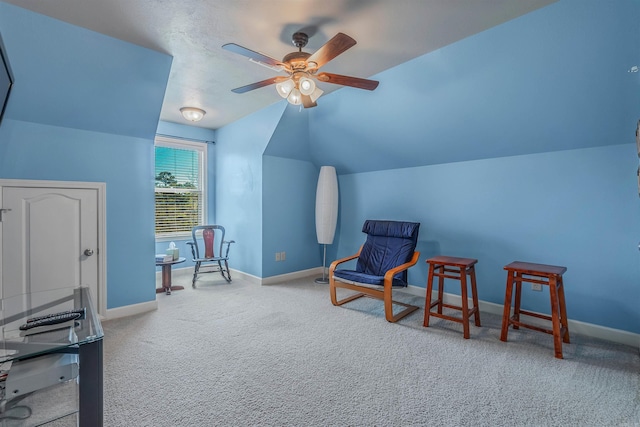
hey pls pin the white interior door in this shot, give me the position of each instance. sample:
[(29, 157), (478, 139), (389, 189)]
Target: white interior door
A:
[(50, 240)]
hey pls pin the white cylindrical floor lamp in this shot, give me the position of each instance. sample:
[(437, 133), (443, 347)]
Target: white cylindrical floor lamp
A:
[(326, 213)]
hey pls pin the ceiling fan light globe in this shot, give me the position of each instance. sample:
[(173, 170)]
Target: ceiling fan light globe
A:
[(306, 85), (295, 97), (316, 94), (284, 88)]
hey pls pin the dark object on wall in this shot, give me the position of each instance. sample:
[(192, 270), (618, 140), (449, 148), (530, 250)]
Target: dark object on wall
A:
[(638, 149), (638, 138), (6, 79)]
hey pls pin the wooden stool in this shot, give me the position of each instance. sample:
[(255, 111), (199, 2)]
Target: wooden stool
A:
[(458, 268), (549, 275)]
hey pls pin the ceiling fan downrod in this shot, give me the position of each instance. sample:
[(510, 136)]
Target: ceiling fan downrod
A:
[(297, 60)]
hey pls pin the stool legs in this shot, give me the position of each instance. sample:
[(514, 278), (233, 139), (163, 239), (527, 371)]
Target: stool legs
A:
[(555, 320), (474, 297), (506, 313), (465, 303), (440, 288), (558, 316), (428, 304), (458, 268), (563, 311), (545, 275), (516, 306)]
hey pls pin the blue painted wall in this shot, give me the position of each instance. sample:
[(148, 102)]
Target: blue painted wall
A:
[(576, 208), (239, 150), (288, 215), (290, 140), (85, 107), (288, 196), (183, 131)]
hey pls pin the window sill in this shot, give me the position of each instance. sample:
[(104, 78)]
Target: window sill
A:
[(175, 236)]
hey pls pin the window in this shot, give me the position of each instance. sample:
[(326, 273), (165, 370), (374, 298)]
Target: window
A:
[(180, 188)]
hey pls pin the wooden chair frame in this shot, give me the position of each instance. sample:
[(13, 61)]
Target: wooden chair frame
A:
[(215, 263), (372, 291)]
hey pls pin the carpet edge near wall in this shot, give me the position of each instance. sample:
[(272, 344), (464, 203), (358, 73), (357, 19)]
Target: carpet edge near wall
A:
[(592, 330)]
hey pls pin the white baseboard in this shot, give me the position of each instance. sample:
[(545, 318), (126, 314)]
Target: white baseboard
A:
[(237, 274), (130, 310), (292, 276), (582, 328), (187, 272)]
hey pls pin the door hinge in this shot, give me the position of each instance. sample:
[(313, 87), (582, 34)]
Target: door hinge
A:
[(3, 211)]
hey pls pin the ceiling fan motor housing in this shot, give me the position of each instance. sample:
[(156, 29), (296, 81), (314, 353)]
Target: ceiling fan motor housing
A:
[(296, 60), (299, 40)]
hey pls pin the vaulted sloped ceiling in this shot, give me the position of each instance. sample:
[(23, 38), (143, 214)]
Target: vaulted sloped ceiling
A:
[(71, 77), (554, 79), (202, 74)]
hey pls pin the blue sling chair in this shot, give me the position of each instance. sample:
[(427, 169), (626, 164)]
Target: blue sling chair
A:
[(382, 264), (205, 240)]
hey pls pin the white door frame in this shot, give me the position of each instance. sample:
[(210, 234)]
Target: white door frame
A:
[(101, 189)]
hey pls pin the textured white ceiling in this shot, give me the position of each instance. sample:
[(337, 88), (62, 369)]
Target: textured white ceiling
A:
[(388, 32)]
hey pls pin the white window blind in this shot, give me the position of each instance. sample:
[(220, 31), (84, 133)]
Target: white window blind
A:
[(180, 189)]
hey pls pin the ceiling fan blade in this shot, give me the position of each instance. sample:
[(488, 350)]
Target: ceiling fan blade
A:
[(348, 81), (334, 47), (257, 85), (307, 102), (251, 54)]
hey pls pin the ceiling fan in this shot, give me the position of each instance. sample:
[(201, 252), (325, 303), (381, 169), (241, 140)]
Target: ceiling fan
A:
[(299, 86)]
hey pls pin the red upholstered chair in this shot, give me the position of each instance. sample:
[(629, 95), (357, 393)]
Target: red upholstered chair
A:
[(206, 239)]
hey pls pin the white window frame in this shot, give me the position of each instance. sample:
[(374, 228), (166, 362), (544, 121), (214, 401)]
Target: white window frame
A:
[(201, 147)]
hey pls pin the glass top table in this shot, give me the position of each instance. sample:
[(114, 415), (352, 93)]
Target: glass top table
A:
[(82, 337), (16, 344)]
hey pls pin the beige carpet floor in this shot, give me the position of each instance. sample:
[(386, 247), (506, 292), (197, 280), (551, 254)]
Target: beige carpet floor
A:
[(281, 355)]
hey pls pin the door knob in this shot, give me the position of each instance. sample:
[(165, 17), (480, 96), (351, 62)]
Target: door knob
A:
[(88, 252)]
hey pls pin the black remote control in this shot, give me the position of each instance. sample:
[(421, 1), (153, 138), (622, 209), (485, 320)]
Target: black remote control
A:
[(60, 318), (81, 311)]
